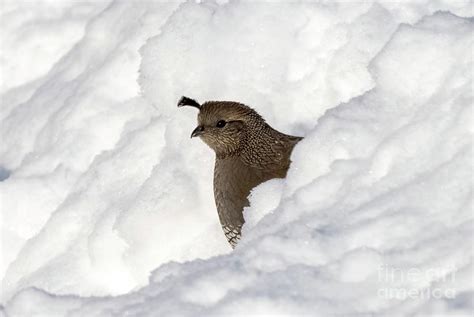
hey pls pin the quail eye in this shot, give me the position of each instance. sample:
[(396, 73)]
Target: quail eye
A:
[(220, 124)]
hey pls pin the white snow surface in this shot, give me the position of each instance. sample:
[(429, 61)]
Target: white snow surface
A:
[(107, 205)]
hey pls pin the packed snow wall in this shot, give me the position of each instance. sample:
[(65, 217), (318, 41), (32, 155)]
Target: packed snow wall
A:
[(104, 194)]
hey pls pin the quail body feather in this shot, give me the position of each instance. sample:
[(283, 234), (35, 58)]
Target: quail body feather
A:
[(248, 153)]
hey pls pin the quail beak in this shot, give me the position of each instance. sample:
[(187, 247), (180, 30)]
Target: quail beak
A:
[(198, 131)]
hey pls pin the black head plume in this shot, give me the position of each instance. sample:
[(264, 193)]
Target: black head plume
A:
[(185, 101)]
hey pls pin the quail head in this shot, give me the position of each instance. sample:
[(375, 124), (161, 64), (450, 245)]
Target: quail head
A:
[(248, 152)]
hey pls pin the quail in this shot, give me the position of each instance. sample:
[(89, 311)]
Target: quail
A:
[(248, 152)]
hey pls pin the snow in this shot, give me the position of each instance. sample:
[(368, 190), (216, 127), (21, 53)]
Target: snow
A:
[(107, 205)]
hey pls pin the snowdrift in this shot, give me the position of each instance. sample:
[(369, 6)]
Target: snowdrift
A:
[(107, 205)]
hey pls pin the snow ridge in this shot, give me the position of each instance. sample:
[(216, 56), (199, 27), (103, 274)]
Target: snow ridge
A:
[(107, 205)]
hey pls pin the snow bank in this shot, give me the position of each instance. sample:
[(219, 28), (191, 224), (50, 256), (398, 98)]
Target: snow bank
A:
[(103, 186), (30, 29)]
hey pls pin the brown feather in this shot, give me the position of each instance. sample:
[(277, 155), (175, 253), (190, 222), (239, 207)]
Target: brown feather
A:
[(248, 153)]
